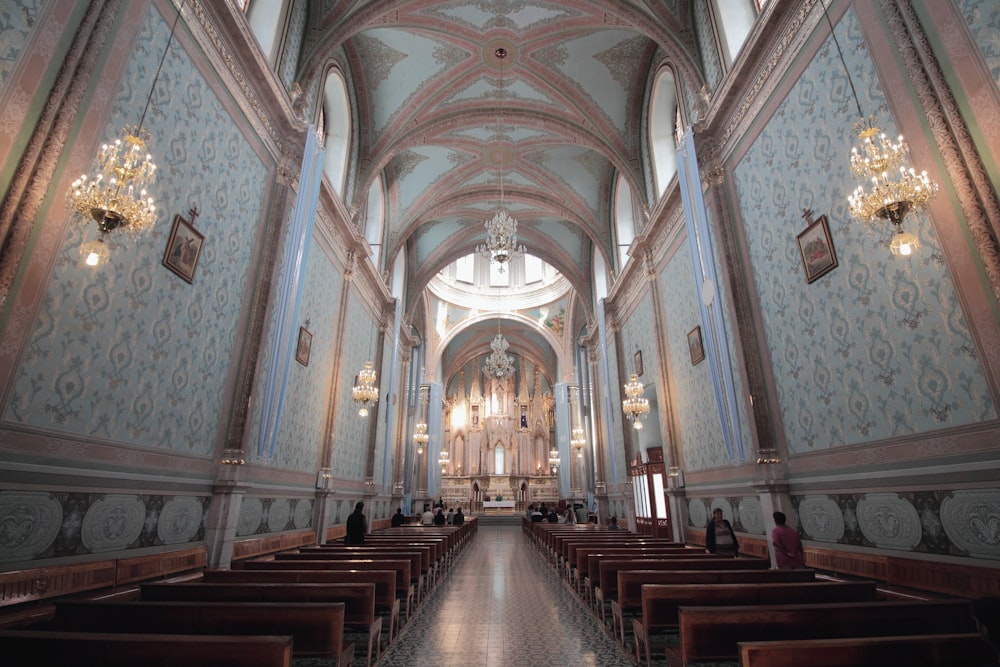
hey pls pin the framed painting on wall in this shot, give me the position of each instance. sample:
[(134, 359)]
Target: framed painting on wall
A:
[(695, 346), (183, 249), (303, 348), (638, 363), (816, 247)]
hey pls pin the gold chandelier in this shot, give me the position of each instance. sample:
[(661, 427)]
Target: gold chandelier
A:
[(421, 436), (364, 391), (895, 189), (635, 406), (117, 194), (499, 364), (501, 229), (578, 440)]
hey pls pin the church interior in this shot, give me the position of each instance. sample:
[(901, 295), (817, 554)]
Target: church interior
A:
[(261, 260)]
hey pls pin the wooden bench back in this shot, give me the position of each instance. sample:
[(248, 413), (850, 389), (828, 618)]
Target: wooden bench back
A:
[(35, 648), (610, 567), (419, 563), (401, 567), (628, 590), (661, 602), (963, 650), (568, 547), (384, 580), (588, 560), (363, 551), (358, 598), (713, 633), (317, 629)]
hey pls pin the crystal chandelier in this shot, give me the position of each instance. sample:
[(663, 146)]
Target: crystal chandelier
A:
[(499, 364), (635, 406), (577, 440), (364, 391), (116, 195), (896, 190), (501, 230), (421, 436), (554, 459)]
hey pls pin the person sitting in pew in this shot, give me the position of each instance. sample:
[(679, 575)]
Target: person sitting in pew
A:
[(398, 519), (357, 526), (459, 518), (614, 524), (719, 536), (451, 515), (439, 517), (427, 518)]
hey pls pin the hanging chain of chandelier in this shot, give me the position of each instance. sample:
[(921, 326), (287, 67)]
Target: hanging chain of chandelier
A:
[(501, 229)]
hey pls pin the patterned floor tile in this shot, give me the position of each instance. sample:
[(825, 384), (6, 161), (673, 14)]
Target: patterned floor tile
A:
[(503, 606)]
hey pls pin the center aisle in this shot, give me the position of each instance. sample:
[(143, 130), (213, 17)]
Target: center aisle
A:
[(503, 605)]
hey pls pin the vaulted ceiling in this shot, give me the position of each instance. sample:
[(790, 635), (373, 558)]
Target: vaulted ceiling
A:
[(442, 118)]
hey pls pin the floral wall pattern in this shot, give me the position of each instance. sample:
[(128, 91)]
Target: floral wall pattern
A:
[(16, 25), (983, 19), (85, 371), (879, 347)]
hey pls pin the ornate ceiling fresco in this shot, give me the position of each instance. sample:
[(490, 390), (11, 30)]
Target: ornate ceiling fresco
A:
[(428, 99)]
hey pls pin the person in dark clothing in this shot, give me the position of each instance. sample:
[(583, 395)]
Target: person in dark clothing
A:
[(439, 518), (719, 535), (357, 526), (553, 517), (459, 518), (398, 519)]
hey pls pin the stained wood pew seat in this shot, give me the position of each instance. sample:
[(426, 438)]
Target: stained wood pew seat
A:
[(317, 629), (937, 650), (661, 603), (358, 599), (386, 602), (589, 560), (626, 596), (419, 565), (404, 580), (37, 648), (713, 633)]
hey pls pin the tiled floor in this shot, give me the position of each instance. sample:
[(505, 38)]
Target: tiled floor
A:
[(502, 606)]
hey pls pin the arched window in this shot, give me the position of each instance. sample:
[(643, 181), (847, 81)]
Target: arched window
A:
[(266, 18), (337, 128), (375, 219), (625, 224), (733, 21), (662, 115)]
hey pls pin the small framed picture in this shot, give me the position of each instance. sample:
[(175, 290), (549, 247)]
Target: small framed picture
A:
[(183, 249), (304, 346), (638, 363), (816, 247), (695, 346)]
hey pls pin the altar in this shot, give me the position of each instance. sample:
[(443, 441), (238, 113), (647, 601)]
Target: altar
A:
[(498, 506)]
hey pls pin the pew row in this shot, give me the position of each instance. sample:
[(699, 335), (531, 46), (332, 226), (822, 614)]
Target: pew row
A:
[(937, 650)]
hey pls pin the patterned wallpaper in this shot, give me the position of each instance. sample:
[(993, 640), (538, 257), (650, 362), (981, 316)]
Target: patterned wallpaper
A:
[(639, 333), (710, 59), (303, 419), (350, 431), (130, 352), (879, 347), (983, 19), (17, 20), (293, 42), (698, 427)]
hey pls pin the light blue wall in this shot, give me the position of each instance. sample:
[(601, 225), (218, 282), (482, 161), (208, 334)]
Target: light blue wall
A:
[(879, 347), (982, 17), (130, 352)]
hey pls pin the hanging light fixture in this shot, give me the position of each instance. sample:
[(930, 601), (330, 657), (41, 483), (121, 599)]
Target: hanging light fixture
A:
[(116, 195), (420, 436), (578, 440), (499, 364), (501, 230), (635, 406), (554, 459), (365, 392), (895, 189)]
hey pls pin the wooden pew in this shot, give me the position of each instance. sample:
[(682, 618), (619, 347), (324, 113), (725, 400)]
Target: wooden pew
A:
[(386, 601), (38, 648), (419, 563), (430, 554), (626, 596), (588, 561), (661, 603), (317, 629), (404, 580), (609, 568), (713, 633), (937, 650), (358, 600)]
